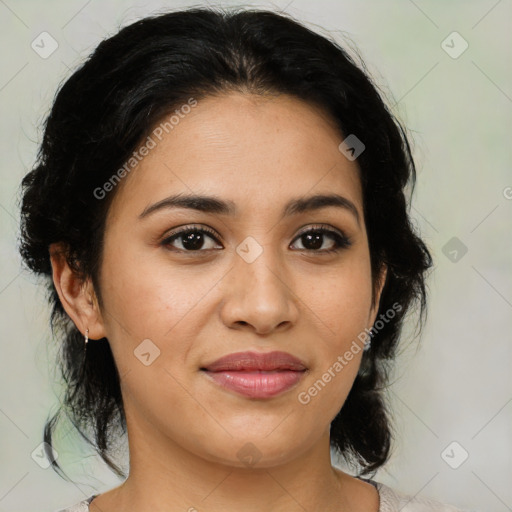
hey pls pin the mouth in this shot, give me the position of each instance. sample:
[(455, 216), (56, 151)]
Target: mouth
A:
[(256, 375)]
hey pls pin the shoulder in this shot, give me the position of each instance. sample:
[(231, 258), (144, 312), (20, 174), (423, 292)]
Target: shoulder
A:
[(83, 506), (391, 501)]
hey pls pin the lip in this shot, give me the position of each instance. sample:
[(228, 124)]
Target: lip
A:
[(256, 375)]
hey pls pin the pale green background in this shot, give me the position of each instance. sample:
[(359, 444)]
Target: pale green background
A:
[(458, 386)]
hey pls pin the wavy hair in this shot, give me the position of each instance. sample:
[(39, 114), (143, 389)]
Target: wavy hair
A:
[(112, 102)]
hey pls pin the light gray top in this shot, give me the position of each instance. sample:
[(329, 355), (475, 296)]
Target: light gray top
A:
[(390, 501)]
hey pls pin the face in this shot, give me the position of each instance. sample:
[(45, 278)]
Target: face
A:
[(184, 285)]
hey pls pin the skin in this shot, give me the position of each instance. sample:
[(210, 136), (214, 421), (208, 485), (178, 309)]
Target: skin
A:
[(184, 431)]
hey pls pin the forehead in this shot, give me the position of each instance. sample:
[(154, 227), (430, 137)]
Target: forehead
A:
[(250, 149)]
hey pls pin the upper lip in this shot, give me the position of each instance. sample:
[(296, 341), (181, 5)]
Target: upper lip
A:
[(252, 361)]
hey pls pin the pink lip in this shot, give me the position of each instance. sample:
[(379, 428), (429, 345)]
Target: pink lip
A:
[(256, 375)]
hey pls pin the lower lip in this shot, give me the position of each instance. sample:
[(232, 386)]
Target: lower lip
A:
[(257, 384)]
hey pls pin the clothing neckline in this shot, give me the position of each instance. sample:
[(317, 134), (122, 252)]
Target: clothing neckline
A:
[(89, 500), (375, 484)]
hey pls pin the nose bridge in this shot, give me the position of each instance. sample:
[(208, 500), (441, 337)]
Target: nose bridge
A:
[(258, 293), (260, 266)]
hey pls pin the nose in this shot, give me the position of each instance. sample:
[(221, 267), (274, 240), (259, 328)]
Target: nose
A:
[(259, 297)]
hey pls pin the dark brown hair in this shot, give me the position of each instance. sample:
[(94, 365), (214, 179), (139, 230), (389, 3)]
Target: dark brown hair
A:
[(113, 101)]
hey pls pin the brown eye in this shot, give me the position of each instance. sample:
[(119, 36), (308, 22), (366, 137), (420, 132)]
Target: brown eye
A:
[(314, 239), (191, 239)]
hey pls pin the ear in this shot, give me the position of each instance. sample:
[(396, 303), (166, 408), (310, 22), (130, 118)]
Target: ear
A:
[(76, 294), (381, 281)]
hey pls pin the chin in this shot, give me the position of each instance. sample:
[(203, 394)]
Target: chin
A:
[(257, 451)]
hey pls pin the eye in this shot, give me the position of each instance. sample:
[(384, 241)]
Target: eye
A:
[(191, 239), (201, 239), (313, 240)]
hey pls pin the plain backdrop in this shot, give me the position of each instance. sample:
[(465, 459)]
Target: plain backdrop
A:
[(452, 391)]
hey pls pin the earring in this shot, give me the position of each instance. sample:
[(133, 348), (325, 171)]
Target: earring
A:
[(368, 342), (86, 336)]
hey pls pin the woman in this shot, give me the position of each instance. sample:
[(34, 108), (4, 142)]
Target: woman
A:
[(219, 209)]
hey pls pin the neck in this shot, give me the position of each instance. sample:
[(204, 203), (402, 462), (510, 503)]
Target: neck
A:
[(163, 475)]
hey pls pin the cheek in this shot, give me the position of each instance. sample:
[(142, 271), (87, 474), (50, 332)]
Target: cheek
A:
[(148, 298), (338, 305), (340, 298)]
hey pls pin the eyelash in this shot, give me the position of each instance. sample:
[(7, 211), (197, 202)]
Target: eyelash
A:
[(340, 239)]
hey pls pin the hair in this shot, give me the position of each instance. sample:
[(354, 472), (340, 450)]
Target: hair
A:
[(110, 104)]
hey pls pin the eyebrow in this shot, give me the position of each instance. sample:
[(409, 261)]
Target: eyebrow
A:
[(212, 204)]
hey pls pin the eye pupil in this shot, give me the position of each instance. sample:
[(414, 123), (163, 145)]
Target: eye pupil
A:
[(193, 241), (314, 240)]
